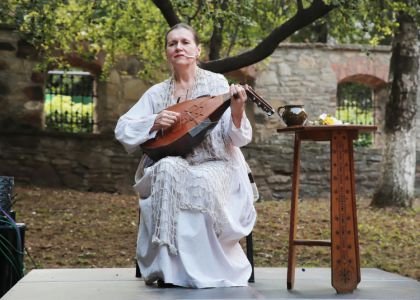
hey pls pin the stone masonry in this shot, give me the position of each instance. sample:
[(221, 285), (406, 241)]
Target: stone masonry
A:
[(21, 88), (306, 74), (309, 74)]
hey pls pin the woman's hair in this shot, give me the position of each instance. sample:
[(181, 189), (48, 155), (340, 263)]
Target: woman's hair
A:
[(185, 26)]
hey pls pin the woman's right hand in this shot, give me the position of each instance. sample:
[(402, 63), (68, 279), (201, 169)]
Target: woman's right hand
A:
[(165, 119)]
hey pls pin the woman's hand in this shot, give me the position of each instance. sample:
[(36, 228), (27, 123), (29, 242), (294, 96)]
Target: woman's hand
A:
[(165, 119), (237, 103)]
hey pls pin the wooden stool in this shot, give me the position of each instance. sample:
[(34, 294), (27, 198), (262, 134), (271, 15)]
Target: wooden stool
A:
[(345, 261)]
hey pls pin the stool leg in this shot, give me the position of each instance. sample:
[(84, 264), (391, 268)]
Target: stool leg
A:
[(353, 188), (344, 252), (293, 215), (250, 255)]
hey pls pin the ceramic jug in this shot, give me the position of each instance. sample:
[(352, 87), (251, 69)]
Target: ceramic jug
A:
[(292, 115)]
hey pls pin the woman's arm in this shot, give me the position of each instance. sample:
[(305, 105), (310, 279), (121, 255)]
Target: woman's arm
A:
[(242, 135), (134, 127), (236, 125)]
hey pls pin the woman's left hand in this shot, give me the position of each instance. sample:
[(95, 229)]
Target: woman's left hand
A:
[(237, 103)]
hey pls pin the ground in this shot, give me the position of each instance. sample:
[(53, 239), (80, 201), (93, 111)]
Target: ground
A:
[(73, 229)]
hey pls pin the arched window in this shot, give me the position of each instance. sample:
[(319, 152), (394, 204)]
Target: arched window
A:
[(355, 105), (69, 101)]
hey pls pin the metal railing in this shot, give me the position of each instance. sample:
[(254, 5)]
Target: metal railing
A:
[(355, 105), (69, 101)]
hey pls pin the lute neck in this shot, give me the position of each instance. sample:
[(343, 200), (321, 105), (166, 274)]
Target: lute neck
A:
[(226, 97), (254, 97)]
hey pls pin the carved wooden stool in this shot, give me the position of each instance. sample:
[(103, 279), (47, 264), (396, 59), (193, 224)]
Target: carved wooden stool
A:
[(345, 261)]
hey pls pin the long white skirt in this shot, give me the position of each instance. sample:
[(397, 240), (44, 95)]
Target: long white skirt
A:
[(203, 260)]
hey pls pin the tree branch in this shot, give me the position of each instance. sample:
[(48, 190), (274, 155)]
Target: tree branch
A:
[(232, 40), (267, 46), (299, 5), (216, 39), (168, 12), (200, 5)]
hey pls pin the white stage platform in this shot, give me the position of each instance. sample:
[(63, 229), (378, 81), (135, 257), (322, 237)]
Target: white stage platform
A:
[(121, 284)]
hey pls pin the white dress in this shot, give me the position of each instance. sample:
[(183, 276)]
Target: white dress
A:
[(194, 210)]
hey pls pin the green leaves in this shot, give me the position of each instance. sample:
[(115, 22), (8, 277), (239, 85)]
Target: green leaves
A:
[(137, 27), (369, 22)]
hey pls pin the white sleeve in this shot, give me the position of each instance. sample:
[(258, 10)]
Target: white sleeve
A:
[(239, 136), (133, 128)]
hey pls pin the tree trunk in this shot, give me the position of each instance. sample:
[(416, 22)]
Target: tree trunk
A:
[(398, 166)]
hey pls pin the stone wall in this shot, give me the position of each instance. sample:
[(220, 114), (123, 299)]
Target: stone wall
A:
[(307, 74), (272, 169), (21, 88), (118, 93), (93, 162), (81, 161)]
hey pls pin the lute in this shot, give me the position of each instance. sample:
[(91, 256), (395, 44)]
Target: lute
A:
[(198, 117)]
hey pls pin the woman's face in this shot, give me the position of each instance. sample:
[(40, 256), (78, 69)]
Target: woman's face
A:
[(181, 47)]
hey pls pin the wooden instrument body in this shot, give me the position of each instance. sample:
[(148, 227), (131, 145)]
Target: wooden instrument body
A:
[(198, 117)]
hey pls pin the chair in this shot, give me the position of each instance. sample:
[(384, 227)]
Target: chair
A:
[(249, 254), (249, 242)]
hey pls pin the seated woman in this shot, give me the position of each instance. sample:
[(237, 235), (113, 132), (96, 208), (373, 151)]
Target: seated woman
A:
[(194, 209)]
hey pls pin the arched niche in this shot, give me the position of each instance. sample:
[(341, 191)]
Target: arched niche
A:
[(378, 88)]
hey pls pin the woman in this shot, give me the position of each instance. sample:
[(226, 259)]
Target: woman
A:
[(194, 210)]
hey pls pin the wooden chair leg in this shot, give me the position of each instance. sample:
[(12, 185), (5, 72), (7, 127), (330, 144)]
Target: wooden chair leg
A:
[(250, 255), (138, 273)]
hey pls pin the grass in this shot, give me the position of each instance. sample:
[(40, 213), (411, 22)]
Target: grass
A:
[(73, 229)]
